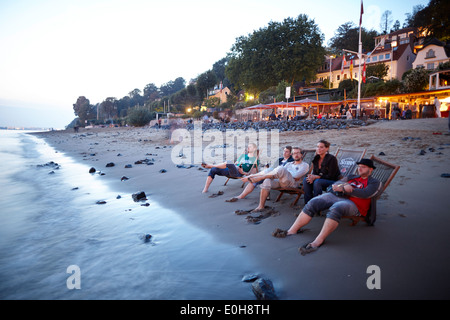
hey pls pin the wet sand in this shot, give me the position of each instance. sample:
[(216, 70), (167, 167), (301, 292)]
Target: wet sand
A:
[(409, 242)]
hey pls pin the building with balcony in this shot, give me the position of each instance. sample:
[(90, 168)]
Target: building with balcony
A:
[(396, 50)]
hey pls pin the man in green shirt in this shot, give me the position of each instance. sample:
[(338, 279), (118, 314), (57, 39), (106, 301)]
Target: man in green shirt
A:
[(244, 165)]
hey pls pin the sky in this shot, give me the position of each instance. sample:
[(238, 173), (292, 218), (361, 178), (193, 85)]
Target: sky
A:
[(53, 51)]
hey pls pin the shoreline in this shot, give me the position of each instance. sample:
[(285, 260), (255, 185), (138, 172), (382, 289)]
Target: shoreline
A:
[(398, 242)]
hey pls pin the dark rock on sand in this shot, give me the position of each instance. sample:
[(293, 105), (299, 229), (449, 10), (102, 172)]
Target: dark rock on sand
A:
[(299, 125), (111, 164), (139, 196), (162, 171), (264, 290), (250, 277), (128, 166), (92, 170), (124, 178), (50, 164), (101, 202)]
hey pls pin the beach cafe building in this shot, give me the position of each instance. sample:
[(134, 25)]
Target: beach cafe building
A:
[(308, 108), (423, 101)]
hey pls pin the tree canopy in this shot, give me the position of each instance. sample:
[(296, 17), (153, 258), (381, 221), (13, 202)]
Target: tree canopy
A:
[(289, 50), (434, 18), (347, 37)]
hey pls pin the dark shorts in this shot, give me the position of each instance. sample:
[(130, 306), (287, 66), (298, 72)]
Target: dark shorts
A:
[(230, 171)]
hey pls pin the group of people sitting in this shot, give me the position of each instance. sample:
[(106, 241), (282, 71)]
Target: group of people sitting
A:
[(345, 196)]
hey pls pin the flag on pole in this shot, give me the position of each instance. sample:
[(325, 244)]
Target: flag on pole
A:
[(362, 12), (364, 72), (351, 69), (344, 62)]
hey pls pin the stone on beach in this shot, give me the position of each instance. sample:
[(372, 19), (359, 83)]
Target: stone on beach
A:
[(299, 125), (139, 196), (264, 290)]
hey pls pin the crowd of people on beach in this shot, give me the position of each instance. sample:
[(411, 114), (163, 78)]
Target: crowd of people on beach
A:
[(323, 185)]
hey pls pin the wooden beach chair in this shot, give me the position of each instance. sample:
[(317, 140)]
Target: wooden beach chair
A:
[(308, 156), (254, 166), (384, 172), (347, 160)]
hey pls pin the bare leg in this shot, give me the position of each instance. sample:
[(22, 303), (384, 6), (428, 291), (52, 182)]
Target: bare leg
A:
[(207, 184), (220, 166), (262, 199), (328, 227), (302, 220), (248, 189), (258, 177)]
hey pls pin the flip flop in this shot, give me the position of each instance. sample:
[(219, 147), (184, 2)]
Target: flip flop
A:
[(307, 248), (216, 194), (255, 220), (234, 199), (241, 212), (278, 233)]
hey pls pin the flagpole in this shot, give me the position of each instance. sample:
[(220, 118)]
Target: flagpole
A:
[(358, 109)]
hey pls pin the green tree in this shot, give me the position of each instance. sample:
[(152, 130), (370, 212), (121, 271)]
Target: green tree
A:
[(396, 26), (109, 108), (416, 80), (172, 87), (409, 20), (123, 105), (82, 110), (379, 70), (136, 98), (139, 116), (219, 69), (205, 81), (289, 50), (435, 19), (386, 21), (347, 37), (151, 92)]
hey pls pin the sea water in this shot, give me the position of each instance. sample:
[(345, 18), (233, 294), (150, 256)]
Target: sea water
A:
[(56, 242)]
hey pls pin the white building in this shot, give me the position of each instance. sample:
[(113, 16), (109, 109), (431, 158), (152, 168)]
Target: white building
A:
[(394, 49), (432, 54)]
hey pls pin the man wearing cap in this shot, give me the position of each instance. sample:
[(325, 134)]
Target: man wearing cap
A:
[(350, 196)]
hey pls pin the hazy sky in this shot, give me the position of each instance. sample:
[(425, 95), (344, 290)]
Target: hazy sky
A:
[(53, 51)]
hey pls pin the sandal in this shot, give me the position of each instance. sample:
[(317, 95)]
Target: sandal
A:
[(307, 248), (278, 233), (234, 199), (216, 194), (241, 212)]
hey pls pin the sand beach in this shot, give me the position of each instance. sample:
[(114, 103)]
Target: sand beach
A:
[(409, 242)]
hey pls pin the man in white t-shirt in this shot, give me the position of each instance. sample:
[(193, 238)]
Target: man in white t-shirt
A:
[(287, 176)]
